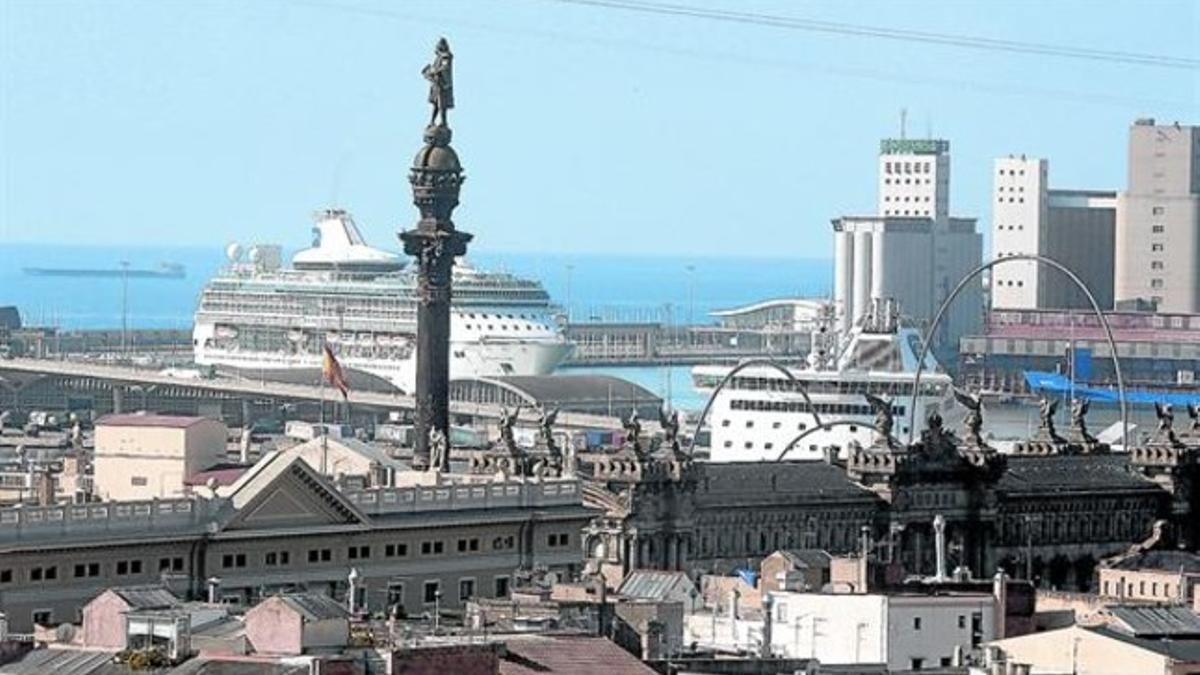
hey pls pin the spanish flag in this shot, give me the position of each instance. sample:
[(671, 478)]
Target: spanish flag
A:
[(334, 375)]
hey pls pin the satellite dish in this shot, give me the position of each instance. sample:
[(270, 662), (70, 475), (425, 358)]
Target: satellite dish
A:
[(254, 254), (233, 251)]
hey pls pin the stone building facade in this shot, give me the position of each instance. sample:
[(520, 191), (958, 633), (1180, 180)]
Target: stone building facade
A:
[(283, 527), (1052, 511)]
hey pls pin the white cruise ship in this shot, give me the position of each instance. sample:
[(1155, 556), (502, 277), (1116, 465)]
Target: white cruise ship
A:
[(759, 412), (260, 318)]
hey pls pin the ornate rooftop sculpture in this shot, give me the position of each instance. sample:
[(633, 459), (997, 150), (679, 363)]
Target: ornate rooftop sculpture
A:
[(1165, 434), (973, 422), (670, 426), (633, 434), (884, 421)]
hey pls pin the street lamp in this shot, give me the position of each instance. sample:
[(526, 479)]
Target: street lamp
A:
[(437, 610), (691, 269), (124, 307), (570, 269)]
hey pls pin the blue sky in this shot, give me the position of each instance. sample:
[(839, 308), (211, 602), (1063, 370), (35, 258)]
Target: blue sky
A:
[(582, 129)]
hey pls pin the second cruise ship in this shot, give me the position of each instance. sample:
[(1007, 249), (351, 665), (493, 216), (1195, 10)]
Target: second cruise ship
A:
[(257, 317), (761, 411)]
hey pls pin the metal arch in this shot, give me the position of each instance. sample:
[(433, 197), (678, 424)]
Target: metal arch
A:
[(1028, 257), (770, 363), (826, 425)]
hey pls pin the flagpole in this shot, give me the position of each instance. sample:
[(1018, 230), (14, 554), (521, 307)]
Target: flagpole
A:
[(324, 431)]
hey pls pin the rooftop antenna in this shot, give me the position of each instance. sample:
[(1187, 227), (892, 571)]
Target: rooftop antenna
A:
[(903, 122)]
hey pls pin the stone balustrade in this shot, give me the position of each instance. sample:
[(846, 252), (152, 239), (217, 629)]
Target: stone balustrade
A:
[(508, 494)]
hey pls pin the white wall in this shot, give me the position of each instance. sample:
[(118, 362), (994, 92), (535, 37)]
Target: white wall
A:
[(914, 185), (945, 621), (135, 462), (873, 628), (1019, 209), (846, 628)]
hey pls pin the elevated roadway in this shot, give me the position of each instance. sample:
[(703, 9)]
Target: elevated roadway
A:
[(23, 383)]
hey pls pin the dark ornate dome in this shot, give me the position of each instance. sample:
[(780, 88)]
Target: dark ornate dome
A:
[(437, 158)]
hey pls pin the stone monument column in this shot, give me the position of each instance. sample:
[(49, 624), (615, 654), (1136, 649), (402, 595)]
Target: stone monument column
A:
[(436, 177)]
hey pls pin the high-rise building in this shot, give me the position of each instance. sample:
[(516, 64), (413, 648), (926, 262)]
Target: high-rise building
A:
[(912, 251), (1073, 227), (914, 178), (1158, 218)]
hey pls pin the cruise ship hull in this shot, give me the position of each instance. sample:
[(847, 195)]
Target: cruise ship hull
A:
[(468, 359)]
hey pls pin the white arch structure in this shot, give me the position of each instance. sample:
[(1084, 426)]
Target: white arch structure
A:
[(1029, 257)]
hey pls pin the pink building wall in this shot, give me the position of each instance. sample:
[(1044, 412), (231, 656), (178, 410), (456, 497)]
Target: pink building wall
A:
[(104, 621), (274, 628)]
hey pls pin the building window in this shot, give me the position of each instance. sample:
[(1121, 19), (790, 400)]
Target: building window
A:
[(1156, 264), (504, 543), (465, 545), (558, 540), (1156, 283), (320, 555), (962, 621), (172, 564), (432, 548), (6, 576), (1156, 248), (917, 664), (43, 573), (276, 558), (916, 623), (501, 587), (395, 593), (42, 617), (227, 561), (1156, 229), (1157, 211), (395, 550), (87, 570), (433, 591), (125, 567), (138, 481), (466, 589), (358, 552)]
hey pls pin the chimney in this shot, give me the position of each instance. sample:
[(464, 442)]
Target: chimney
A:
[(244, 447), (45, 487), (652, 640), (214, 590), (939, 531), (1000, 591), (352, 592)]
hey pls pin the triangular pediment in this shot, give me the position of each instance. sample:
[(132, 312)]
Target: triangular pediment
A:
[(289, 494)]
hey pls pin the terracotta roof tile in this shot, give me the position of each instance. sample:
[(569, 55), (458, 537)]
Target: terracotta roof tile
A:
[(573, 655)]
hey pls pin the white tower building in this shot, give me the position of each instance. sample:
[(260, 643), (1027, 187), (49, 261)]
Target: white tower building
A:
[(1073, 227), (1018, 211)]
